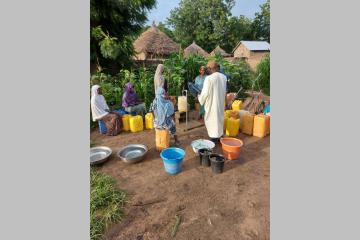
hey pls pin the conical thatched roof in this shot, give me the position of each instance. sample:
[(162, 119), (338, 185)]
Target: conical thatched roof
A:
[(154, 43), (219, 50), (194, 49)]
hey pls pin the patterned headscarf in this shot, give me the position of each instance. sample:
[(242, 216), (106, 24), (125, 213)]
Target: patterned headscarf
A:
[(129, 97), (164, 108)]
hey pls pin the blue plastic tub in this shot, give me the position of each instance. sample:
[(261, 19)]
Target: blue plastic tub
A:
[(172, 159)]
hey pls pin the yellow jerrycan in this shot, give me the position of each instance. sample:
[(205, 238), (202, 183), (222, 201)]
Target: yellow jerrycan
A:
[(149, 121), (236, 105), (232, 127), (162, 139), (231, 113), (136, 124), (261, 125), (126, 122), (225, 122), (247, 123)]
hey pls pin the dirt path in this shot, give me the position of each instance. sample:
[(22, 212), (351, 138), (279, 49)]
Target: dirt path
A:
[(231, 205)]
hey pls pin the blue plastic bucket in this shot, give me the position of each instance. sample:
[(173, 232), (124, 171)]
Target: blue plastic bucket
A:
[(172, 159)]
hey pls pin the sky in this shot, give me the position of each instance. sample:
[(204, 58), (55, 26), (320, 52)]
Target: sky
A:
[(163, 7)]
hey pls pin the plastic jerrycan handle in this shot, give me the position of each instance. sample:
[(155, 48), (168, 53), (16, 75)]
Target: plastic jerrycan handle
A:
[(182, 92)]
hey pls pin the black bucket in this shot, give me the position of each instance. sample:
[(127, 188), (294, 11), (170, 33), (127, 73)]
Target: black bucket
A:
[(204, 157), (217, 163)]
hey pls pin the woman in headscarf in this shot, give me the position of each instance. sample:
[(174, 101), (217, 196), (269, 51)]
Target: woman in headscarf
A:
[(163, 111), (195, 88), (101, 111), (159, 80), (131, 102)]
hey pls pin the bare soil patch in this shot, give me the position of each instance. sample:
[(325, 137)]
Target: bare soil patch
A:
[(231, 205)]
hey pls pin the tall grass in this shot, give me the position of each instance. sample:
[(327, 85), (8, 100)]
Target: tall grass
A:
[(106, 203)]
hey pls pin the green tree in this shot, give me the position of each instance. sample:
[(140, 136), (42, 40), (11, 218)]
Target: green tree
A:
[(261, 23), (113, 25), (263, 71), (202, 21), (162, 27), (237, 28)]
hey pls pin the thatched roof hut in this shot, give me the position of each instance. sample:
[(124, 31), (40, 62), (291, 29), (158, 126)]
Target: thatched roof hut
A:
[(219, 50), (195, 50), (154, 44)]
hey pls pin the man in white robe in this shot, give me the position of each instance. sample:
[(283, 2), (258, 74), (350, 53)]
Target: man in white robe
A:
[(213, 98)]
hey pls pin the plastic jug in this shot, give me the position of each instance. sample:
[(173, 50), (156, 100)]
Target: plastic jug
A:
[(232, 113), (126, 122), (236, 105), (182, 102), (225, 122), (136, 123), (260, 125), (267, 118), (149, 121), (232, 127), (247, 123), (227, 113), (162, 139), (242, 113)]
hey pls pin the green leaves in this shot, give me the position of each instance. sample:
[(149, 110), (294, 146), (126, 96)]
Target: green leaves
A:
[(106, 203), (200, 21), (120, 21), (109, 47), (261, 23), (264, 79)]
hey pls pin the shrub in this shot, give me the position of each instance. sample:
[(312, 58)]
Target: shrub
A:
[(264, 79), (106, 203)]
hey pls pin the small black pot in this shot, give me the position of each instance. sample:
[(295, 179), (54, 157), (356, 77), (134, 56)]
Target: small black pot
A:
[(204, 157), (217, 163)]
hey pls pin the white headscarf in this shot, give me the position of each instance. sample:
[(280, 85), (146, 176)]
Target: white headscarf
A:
[(98, 104), (159, 80)]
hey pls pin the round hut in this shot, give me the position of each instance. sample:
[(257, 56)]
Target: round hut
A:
[(194, 49), (220, 51), (153, 44)]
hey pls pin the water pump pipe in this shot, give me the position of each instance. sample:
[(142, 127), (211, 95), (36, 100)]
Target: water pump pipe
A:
[(186, 113)]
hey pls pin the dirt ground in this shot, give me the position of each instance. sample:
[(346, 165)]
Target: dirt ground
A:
[(231, 205)]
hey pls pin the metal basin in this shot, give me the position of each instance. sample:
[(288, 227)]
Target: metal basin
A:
[(202, 143), (132, 153), (99, 155)]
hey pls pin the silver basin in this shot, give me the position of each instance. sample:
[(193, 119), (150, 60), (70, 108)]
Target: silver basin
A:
[(132, 153), (99, 155)]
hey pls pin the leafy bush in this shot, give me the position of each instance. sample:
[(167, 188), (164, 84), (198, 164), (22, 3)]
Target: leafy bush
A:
[(179, 71), (106, 203), (264, 79), (239, 72), (113, 86)]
